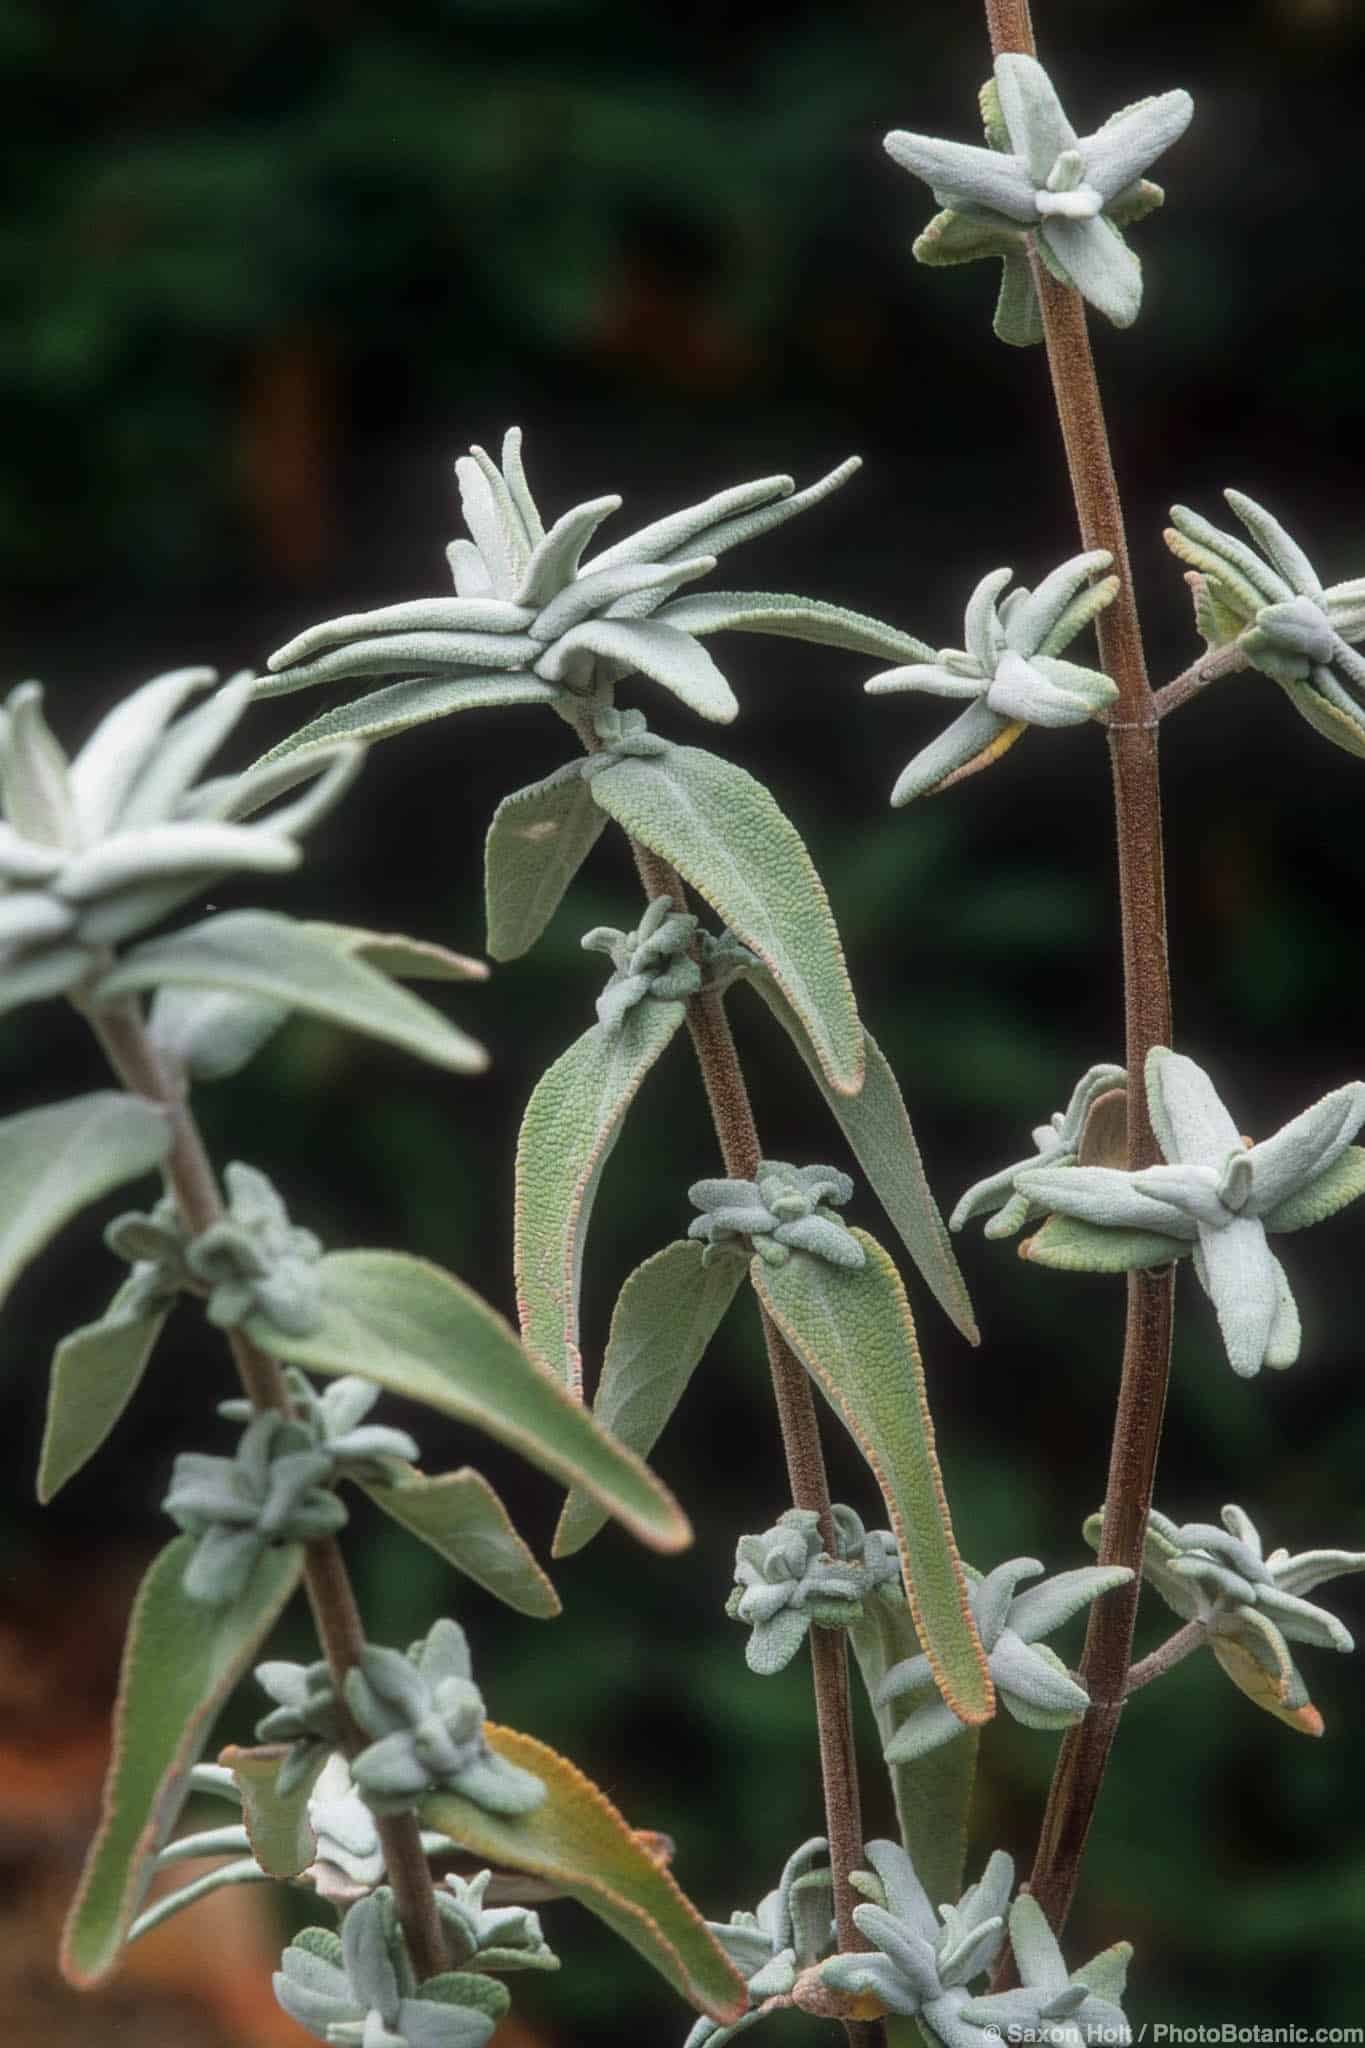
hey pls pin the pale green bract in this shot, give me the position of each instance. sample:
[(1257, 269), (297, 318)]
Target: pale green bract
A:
[(273, 1491), (95, 849), (426, 1716), (1063, 189), (1031, 1680), (531, 614), (1247, 1602), (1069, 2009), (785, 1580), (784, 1209), (791, 1929), (1270, 600), (921, 1962), (1218, 1197), (359, 1990), (1058, 1143), (653, 960), (1008, 673)]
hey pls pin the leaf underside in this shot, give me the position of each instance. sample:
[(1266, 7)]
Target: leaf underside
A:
[(665, 1317), (578, 1841), (853, 1332), (461, 1517), (876, 1124), (568, 1133), (539, 838), (421, 1333), (726, 836), (276, 1823), (181, 1659)]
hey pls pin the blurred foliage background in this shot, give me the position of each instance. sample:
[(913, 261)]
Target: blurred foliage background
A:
[(265, 270)]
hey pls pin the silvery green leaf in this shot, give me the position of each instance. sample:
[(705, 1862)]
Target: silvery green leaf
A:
[(1104, 1195), (419, 615), (650, 648), (31, 918), (1042, 610), (1222, 552), (402, 706), (125, 744), (795, 618), (95, 1373), (539, 838), (173, 766), (1029, 1680), (244, 1870), (54, 1162), (407, 654), (727, 838), (1304, 1149), (554, 564), (1278, 546), (665, 1317), (975, 738), (162, 853), (635, 590), (1037, 127), (264, 956), (1047, 693), (35, 783), (773, 1643), (1312, 1568), (1096, 259), (568, 1133), (668, 536), (727, 528), (961, 173), (1040, 1609), (1243, 1279), (461, 1517), (1117, 155)]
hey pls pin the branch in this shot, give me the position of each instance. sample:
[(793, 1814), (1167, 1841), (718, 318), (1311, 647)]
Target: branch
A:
[(123, 1033), (1210, 668), (1085, 1749), (1166, 1656)]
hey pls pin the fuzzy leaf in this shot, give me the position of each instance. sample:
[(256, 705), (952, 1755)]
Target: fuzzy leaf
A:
[(181, 1659), (462, 1518), (277, 1823), (54, 1162), (421, 1333), (570, 1128), (539, 838), (1269, 1680), (725, 835), (876, 1124), (95, 1373), (793, 618), (852, 1329), (260, 954), (578, 1842), (1070, 1246), (398, 707), (1325, 718), (664, 1319), (933, 1794), (1343, 1182)]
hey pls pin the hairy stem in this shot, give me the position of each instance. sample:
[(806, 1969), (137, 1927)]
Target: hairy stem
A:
[(123, 1034), (1132, 734), (1210, 668), (1166, 1655), (737, 1134)]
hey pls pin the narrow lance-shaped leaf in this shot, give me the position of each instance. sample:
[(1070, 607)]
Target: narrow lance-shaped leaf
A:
[(665, 1317), (180, 1661), (95, 1373), (421, 1333), (726, 836), (852, 1330), (399, 707), (258, 953), (578, 1842), (277, 1823), (568, 1133), (463, 1520), (539, 838), (54, 1162), (876, 1124), (933, 1793)]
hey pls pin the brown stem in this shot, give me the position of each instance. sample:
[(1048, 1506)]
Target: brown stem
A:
[(123, 1034), (1132, 735), (737, 1134), (1210, 668), (1166, 1655)]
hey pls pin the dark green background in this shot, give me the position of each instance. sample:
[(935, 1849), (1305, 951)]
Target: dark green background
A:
[(265, 270)]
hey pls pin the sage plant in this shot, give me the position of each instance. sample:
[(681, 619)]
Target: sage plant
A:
[(376, 1764)]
